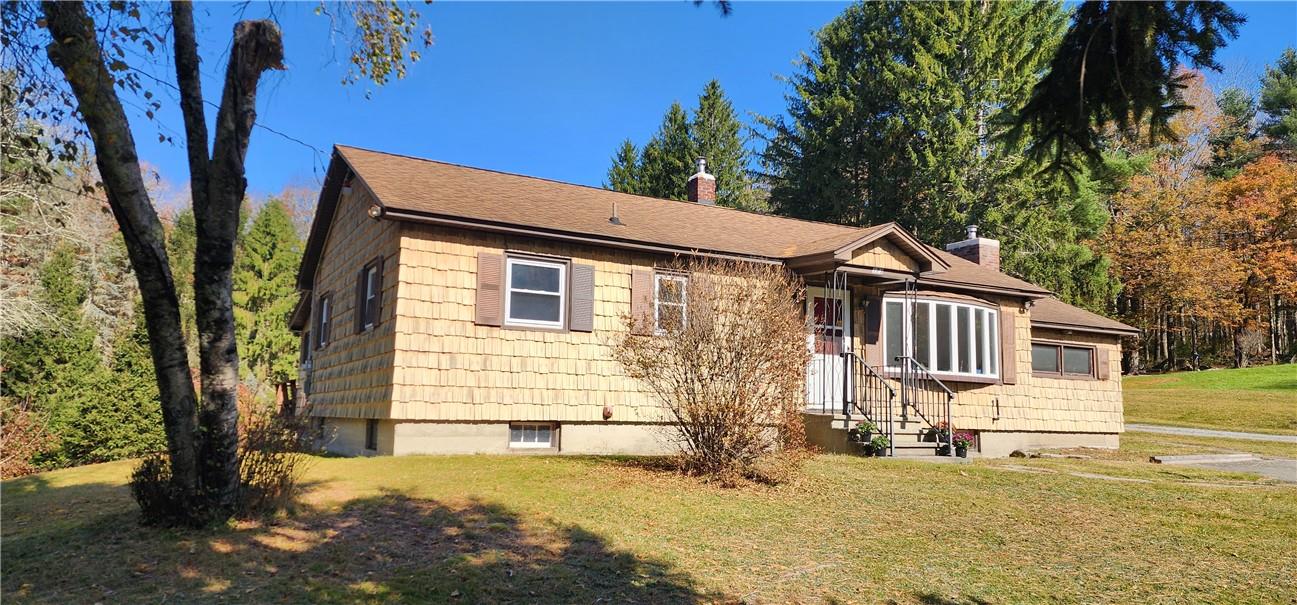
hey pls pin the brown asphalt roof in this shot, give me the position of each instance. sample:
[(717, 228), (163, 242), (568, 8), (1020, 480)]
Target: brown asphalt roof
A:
[(442, 190), (436, 188), (1055, 312)]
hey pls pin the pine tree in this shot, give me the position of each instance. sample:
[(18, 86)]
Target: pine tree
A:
[(717, 136), (624, 175), (265, 291), (1234, 143), (668, 157), (55, 367), (121, 418), (895, 111), (182, 242), (1279, 102), (667, 161)]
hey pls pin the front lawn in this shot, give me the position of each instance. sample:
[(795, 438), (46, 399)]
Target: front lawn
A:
[(1261, 399), (469, 529)]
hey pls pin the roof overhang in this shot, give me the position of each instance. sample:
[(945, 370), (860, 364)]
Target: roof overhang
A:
[(1088, 329), (929, 262)]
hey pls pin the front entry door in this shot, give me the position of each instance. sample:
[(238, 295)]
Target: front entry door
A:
[(830, 314)]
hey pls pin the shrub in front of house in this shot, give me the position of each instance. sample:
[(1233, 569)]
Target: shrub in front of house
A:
[(728, 367)]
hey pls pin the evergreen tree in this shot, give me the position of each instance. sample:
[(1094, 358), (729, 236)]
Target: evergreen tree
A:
[(624, 175), (121, 418), (56, 367), (1234, 142), (182, 243), (668, 157), (667, 161), (895, 110), (265, 291), (717, 136), (1279, 102)]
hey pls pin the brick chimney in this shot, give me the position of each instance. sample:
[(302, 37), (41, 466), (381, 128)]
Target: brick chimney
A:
[(981, 250), (702, 186)]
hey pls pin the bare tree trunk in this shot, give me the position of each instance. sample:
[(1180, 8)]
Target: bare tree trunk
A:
[(218, 186), (76, 52)]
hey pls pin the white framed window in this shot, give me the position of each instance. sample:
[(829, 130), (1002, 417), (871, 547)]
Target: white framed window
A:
[(536, 293), (946, 337), (670, 301), (369, 306), (531, 435), (324, 321)]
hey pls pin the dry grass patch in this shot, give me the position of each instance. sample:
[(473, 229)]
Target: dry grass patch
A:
[(562, 529)]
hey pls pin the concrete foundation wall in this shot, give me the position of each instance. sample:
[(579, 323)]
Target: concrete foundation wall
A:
[(997, 444), (346, 436)]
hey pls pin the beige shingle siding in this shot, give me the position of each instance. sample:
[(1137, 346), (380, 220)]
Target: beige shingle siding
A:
[(884, 255), (449, 368), (351, 376), (1038, 403)]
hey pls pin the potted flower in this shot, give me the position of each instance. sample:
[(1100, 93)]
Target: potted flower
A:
[(863, 432), (962, 441), (878, 445)]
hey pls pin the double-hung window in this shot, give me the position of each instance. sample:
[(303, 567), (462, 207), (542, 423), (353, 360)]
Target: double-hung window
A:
[(945, 337), (1049, 359), (670, 301), (369, 291), (535, 294), (324, 321)]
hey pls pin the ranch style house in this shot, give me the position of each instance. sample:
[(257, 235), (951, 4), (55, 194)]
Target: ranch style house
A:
[(449, 309)]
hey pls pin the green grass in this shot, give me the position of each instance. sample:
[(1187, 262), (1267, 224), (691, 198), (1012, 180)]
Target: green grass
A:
[(471, 529), (1261, 399)]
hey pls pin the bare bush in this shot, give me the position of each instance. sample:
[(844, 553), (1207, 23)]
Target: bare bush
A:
[(23, 436), (728, 365), (272, 457)]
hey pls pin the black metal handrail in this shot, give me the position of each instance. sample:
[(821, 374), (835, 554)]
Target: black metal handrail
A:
[(868, 392), (930, 398)]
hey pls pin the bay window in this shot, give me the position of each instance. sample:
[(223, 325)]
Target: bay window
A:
[(945, 337)]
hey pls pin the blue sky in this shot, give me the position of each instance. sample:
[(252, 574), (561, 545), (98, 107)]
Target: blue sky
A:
[(546, 89)]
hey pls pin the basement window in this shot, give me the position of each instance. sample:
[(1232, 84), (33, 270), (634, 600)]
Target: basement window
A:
[(371, 435), (531, 435)]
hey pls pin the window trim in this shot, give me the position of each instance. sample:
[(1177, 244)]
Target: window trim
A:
[(367, 321), (523, 445), (371, 434), (990, 345), (658, 278), (563, 298), (324, 321), (1062, 373)]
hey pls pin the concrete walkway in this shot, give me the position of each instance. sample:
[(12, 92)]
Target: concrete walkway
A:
[(1192, 432)]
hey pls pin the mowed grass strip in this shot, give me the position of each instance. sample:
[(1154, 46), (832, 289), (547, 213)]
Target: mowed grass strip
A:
[(472, 529), (1261, 399)]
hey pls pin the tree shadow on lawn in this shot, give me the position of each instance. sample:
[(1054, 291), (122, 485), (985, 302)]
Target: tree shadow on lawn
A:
[(383, 549)]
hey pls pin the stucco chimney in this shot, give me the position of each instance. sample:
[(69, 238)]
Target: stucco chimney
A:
[(702, 186), (981, 250)]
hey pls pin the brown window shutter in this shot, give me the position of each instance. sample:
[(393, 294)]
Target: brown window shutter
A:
[(358, 311), (581, 299), (1008, 346), (873, 331), (641, 300), (490, 289), (1104, 372)]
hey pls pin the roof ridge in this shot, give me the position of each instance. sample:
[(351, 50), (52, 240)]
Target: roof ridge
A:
[(647, 197)]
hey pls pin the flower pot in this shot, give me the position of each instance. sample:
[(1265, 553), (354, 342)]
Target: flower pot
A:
[(879, 452), (943, 450), (962, 452)]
